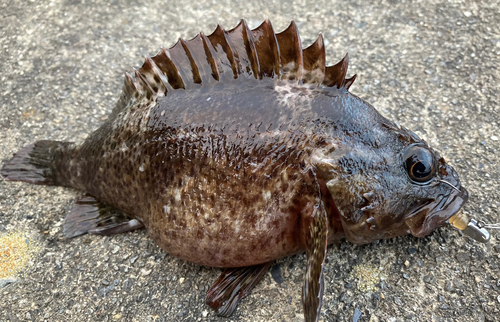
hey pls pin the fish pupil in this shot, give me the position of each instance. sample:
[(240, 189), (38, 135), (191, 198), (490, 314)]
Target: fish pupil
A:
[(419, 163), (421, 169)]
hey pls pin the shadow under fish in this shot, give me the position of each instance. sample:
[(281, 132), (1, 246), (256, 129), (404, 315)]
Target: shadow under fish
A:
[(239, 148)]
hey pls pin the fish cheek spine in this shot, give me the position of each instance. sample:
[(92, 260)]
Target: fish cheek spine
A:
[(363, 203)]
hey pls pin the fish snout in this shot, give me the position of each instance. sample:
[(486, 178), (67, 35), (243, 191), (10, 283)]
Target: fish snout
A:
[(425, 218)]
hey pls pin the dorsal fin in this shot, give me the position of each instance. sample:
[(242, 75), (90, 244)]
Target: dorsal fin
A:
[(226, 55)]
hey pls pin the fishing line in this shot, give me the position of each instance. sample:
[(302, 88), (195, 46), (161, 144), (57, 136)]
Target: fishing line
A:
[(482, 224)]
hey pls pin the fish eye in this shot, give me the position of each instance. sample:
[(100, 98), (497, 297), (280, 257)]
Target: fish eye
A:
[(419, 163)]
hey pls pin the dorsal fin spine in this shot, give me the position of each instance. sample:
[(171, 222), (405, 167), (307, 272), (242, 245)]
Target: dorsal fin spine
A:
[(182, 62), (349, 81), (236, 40), (290, 52), (335, 75), (267, 49), (167, 66), (194, 67), (165, 86), (146, 87), (220, 34), (251, 51), (209, 50), (129, 92), (314, 62), (152, 76), (275, 48)]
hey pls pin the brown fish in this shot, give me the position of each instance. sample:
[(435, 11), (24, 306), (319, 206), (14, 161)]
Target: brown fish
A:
[(239, 148)]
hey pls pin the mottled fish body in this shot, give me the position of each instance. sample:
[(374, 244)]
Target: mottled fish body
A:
[(239, 148)]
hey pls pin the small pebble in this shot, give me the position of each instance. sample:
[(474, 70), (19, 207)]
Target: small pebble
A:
[(412, 250), (407, 263), (276, 273), (145, 272), (357, 315), (494, 138), (181, 280), (7, 281)]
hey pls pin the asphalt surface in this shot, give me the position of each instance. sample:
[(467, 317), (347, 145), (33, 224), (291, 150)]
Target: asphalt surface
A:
[(431, 66)]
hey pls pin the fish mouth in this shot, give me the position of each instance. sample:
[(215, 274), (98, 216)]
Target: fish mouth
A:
[(434, 213)]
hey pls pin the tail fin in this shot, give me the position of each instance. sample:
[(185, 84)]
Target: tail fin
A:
[(33, 163)]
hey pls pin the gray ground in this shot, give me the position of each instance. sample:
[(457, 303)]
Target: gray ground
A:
[(432, 66)]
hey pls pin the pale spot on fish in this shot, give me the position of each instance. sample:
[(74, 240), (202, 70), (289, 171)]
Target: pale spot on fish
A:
[(177, 195), (236, 226), (266, 195), (124, 147), (162, 113), (166, 209), (141, 168)]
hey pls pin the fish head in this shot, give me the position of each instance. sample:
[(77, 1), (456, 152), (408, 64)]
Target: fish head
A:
[(388, 190)]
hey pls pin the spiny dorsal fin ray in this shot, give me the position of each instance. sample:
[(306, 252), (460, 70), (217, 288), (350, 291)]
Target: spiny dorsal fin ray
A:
[(245, 55), (349, 81), (314, 59), (290, 52), (168, 68), (335, 75), (266, 46), (183, 60), (226, 55), (210, 56)]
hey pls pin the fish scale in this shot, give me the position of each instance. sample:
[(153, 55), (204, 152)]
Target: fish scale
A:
[(239, 148)]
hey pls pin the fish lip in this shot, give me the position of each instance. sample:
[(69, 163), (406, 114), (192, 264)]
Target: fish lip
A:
[(432, 214)]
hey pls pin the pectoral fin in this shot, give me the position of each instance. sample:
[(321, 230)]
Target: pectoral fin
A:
[(91, 216), (316, 243), (233, 285)]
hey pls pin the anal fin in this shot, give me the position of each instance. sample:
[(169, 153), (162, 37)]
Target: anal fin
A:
[(90, 216), (233, 285)]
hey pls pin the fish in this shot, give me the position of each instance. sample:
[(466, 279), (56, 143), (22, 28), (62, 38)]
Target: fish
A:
[(241, 147)]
